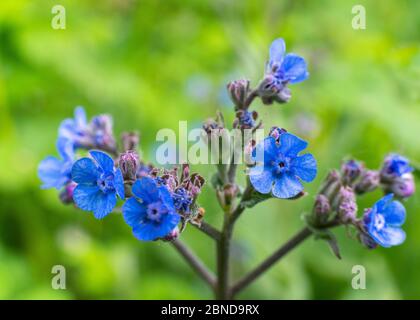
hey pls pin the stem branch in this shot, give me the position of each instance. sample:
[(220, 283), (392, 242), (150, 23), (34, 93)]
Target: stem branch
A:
[(195, 262), (209, 230), (271, 260)]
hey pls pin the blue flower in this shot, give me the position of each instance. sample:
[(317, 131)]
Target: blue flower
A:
[(396, 165), (279, 167), (182, 200), (56, 173), (99, 183), (74, 129), (289, 68), (384, 220), (151, 212)]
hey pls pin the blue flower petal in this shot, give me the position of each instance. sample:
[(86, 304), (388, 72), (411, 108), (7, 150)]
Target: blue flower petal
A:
[(388, 236), (261, 179), (65, 149), (287, 186), (104, 204), (293, 69), (166, 198), (382, 203), (134, 212), (103, 160), (80, 117), (152, 231), (85, 171), (277, 50), (304, 167), (51, 172), (86, 196), (146, 189), (119, 183), (67, 129), (265, 151), (394, 214), (291, 145)]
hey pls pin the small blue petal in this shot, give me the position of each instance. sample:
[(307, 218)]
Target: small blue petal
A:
[(85, 196), (394, 214), (152, 231), (51, 172), (277, 50), (389, 236), (85, 171), (80, 117), (381, 204), (261, 179), (103, 160), (265, 151), (104, 204), (287, 186), (65, 149), (146, 189), (166, 197), (119, 183), (134, 212), (293, 69), (291, 145), (305, 167)]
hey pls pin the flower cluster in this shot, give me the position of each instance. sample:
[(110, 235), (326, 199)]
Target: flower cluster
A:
[(157, 200), (380, 224)]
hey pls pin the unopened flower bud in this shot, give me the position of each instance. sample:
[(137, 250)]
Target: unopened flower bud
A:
[(369, 181), (66, 195), (128, 163), (322, 209), (276, 132), (402, 187), (171, 236), (101, 128), (347, 207), (130, 140), (283, 96), (269, 87), (350, 171), (230, 192), (394, 166), (367, 241), (238, 91), (245, 119), (248, 150)]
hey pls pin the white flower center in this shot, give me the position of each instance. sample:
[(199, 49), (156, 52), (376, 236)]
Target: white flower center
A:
[(379, 222)]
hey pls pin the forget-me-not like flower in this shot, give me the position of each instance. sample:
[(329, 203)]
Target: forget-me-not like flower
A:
[(280, 168), (54, 172), (384, 220), (99, 184), (286, 68), (151, 212)]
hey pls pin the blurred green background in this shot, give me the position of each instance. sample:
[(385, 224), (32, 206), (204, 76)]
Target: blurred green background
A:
[(153, 63)]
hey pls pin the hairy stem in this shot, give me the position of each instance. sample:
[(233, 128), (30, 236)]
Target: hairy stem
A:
[(223, 248), (209, 230), (271, 260), (195, 263), (252, 95), (223, 254)]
